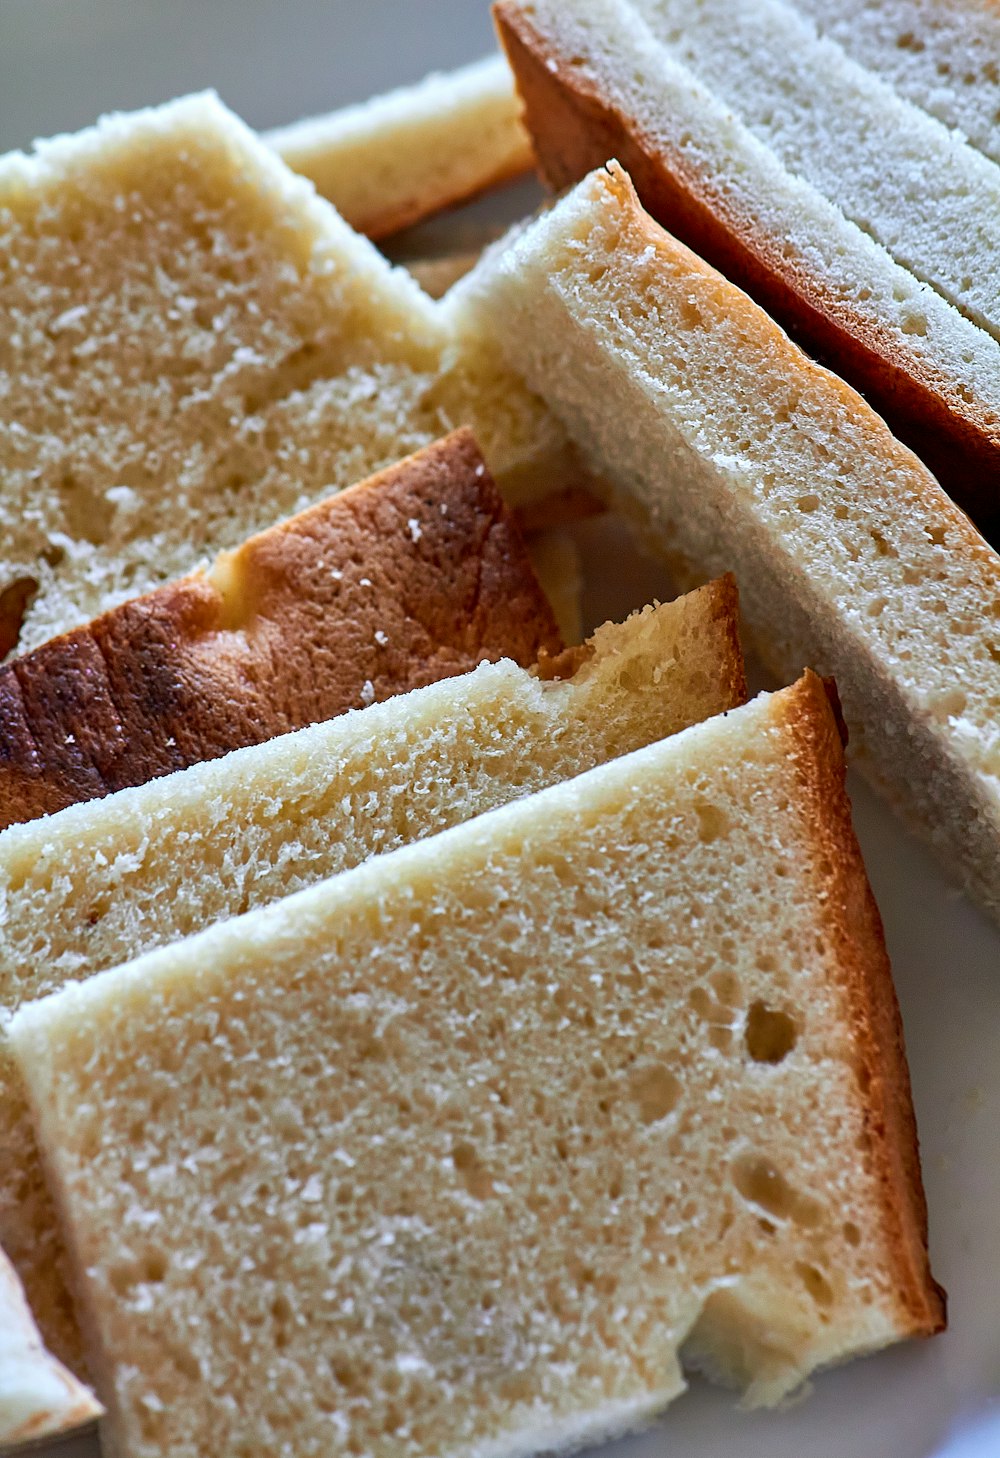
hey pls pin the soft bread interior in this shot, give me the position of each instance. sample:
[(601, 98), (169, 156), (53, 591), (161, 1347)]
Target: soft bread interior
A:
[(197, 346), (104, 882), (731, 447), (454, 1152)]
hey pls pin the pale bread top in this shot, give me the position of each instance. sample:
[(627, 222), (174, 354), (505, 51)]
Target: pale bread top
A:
[(400, 157)]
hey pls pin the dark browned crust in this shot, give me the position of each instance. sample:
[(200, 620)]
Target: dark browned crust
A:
[(858, 954), (576, 127), (412, 576)]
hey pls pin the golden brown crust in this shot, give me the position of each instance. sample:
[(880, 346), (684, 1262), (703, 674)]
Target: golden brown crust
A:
[(726, 612), (412, 576), (577, 127), (858, 951), (879, 441)]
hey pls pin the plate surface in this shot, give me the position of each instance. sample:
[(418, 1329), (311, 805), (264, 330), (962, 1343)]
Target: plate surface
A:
[(62, 62)]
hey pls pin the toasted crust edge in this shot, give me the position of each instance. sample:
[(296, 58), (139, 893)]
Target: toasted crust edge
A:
[(575, 127), (856, 935), (964, 535)]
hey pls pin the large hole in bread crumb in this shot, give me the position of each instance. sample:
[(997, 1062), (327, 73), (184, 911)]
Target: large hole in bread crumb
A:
[(815, 1282), (762, 1184), (655, 1090), (475, 1178), (770, 1034)]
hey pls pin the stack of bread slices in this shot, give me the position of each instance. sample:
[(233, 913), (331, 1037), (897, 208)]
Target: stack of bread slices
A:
[(426, 1028)]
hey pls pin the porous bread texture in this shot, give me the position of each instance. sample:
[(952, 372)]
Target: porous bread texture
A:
[(401, 157), (598, 83), (881, 159), (196, 345), (730, 446), (39, 1398), (944, 55), (453, 1153), (102, 883), (415, 574)]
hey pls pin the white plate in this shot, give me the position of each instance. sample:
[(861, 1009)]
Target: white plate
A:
[(64, 61)]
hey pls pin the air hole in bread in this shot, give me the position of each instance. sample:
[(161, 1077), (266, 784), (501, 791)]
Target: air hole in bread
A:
[(655, 1091), (909, 42), (807, 504), (474, 1177), (815, 1282), (851, 1233), (770, 1034), (762, 1184), (950, 705), (14, 603), (712, 823), (883, 547)]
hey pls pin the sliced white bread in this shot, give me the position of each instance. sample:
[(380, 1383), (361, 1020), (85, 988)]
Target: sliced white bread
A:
[(398, 158), (39, 1398), (456, 1152), (416, 574), (597, 82), (730, 446), (848, 133), (944, 55), (104, 882), (195, 346)]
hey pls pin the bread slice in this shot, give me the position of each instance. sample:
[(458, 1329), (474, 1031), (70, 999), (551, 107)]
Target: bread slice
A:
[(399, 158), (103, 882), (599, 82), (415, 574), (730, 446), (39, 1398), (195, 346), (846, 131), (454, 1153), (944, 55)]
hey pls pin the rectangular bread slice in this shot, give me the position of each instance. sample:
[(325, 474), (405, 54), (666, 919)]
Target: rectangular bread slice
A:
[(411, 576), (848, 133), (103, 882), (398, 158), (597, 82), (944, 55), (39, 1398), (455, 1152), (730, 446), (196, 345)]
